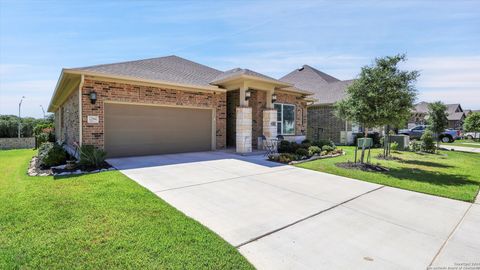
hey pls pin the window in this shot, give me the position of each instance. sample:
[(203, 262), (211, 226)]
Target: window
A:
[(285, 119)]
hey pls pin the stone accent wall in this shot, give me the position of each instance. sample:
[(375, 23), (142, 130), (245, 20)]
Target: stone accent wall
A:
[(300, 111), (324, 125), (17, 143), (244, 129), (130, 93), (258, 103), (67, 128), (270, 123), (233, 101)]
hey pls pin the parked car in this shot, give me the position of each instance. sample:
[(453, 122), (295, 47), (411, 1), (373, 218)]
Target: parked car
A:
[(416, 133), (471, 135)]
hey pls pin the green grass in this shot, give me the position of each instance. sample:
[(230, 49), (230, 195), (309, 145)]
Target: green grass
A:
[(464, 143), (453, 174), (98, 221)]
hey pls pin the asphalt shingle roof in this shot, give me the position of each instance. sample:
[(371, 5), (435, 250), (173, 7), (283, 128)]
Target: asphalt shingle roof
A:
[(169, 68), (327, 89), (241, 71), (422, 107)]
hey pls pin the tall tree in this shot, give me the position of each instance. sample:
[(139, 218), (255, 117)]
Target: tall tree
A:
[(437, 119), (382, 95), (472, 124)]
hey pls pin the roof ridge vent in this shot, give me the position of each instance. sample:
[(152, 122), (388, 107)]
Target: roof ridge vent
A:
[(302, 68)]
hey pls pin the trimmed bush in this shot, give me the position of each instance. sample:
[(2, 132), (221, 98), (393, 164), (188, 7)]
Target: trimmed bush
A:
[(91, 156), (283, 147), (314, 150), (50, 154), (327, 148), (428, 142), (302, 152)]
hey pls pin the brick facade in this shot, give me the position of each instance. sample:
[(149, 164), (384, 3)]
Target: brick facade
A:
[(324, 125), (130, 93)]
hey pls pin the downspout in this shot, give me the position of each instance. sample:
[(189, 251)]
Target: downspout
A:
[(80, 122)]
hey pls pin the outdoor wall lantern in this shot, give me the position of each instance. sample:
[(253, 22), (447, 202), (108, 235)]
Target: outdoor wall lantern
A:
[(274, 98), (248, 94), (93, 97)]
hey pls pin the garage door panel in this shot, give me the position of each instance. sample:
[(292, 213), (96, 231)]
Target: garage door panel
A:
[(147, 130)]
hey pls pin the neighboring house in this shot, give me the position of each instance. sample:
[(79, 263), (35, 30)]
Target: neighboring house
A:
[(322, 122), (170, 104), (468, 112), (420, 115)]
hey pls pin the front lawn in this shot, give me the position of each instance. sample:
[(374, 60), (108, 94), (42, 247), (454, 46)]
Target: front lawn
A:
[(454, 175), (463, 143), (98, 221)]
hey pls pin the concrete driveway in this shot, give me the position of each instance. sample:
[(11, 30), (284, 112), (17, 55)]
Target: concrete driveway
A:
[(283, 217)]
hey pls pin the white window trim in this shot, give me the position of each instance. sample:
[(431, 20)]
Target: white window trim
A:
[(281, 120)]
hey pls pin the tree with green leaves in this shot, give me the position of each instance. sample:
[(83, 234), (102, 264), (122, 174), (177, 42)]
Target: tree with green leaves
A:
[(383, 94), (437, 119), (472, 124)]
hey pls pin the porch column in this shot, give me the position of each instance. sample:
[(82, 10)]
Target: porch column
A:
[(270, 123), (244, 129), (269, 104)]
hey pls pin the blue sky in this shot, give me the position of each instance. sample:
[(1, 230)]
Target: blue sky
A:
[(39, 38)]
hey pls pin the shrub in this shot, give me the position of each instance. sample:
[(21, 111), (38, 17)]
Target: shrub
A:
[(305, 145), (290, 147), (306, 141), (287, 157), (314, 150), (323, 153), (91, 156), (283, 147), (321, 143), (274, 157), (50, 154), (394, 146), (327, 148), (428, 142), (301, 152), (415, 146)]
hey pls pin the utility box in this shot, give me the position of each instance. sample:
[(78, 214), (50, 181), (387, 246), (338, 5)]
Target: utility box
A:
[(369, 142), (402, 140)]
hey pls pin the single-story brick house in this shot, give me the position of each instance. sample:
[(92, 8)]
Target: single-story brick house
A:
[(170, 104), (455, 117), (322, 122)]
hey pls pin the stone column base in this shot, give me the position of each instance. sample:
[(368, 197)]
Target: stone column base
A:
[(244, 129)]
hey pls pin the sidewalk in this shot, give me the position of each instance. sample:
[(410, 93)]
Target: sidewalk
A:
[(460, 148)]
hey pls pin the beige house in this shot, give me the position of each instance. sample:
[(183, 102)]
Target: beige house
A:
[(170, 105)]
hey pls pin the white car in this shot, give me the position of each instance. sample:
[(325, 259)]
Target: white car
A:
[(471, 135)]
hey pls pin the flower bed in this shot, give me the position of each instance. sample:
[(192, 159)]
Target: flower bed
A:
[(293, 153)]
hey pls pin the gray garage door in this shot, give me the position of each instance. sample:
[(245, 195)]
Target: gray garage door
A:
[(133, 130)]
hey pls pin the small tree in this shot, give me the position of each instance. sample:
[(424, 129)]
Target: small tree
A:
[(382, 95), (437, 119), (472, 124)]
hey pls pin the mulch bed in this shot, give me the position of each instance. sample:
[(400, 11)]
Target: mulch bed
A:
[(362, 166)]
